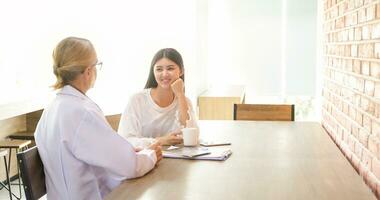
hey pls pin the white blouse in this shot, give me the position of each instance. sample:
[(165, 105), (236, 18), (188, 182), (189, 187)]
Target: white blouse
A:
[(143, 120), (83, 157)]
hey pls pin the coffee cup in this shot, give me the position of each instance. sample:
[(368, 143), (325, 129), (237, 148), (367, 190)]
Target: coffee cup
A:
[(190, 136)]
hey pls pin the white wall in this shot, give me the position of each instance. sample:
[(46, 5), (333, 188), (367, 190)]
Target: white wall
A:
[(301, 36), (221, 41), (246, 38), (245, 45), (125, 33)]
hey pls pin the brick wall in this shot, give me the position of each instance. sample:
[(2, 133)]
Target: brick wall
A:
[(351, 86)]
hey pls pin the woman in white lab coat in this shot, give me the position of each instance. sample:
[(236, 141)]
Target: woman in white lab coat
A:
[(83, 157), (159, 111)]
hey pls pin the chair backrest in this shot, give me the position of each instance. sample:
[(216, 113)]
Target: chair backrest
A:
[(264, 112), (32, 173), (114, 120)]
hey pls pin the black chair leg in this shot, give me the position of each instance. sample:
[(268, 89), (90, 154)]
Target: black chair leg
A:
[(8, 181)]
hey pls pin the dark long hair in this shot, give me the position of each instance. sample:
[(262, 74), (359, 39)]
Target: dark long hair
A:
[(170, 54)]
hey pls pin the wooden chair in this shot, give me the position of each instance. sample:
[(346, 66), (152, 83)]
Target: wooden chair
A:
[(114, 120), (16, 145), (264, 112), (4, 153), (32, 173)]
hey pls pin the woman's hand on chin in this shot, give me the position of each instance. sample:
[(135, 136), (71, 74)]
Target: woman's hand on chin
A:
[(177, 87)]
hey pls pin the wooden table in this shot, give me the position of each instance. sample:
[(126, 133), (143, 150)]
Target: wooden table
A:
[(270, 160)]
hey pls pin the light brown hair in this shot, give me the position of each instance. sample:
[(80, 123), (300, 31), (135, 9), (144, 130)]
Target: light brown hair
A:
[(71, 57)]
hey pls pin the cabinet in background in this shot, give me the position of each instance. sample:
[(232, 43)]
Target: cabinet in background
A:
[(218, 103)]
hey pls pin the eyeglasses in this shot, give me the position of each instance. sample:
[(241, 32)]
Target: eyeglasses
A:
[(99, 66)]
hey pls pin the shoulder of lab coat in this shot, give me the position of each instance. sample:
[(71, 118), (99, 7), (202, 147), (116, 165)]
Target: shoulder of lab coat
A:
[(95, 143)]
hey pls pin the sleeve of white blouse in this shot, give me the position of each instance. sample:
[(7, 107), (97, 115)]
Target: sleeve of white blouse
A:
[(130, 126)]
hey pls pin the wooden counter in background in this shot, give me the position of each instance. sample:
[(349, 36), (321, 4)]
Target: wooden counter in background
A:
[(218, 103)]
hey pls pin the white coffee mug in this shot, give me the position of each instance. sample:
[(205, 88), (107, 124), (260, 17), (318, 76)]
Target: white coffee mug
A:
[(190, 136)]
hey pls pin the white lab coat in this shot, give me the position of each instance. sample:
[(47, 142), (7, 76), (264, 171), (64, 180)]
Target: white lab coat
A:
[(83, 157)]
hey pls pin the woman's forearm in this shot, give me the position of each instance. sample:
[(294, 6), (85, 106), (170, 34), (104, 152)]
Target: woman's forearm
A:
[(183, 108)]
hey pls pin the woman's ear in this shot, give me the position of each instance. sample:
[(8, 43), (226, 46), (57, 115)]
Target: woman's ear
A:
[(88, 70)]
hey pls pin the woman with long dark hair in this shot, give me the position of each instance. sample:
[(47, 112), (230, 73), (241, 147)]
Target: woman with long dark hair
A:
[(159, 111)]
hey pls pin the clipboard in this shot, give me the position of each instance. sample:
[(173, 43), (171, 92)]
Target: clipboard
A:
[(198, 153), (214, 143), (186, 152)]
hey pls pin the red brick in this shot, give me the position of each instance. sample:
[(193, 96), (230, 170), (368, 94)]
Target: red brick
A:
[(371, 12), (377, 110), (334, 12), (340, 22), (376, 167), (352, 113), (372, 181), (341, 9), (366, 32), (347, 50), (351, 5), (358, 150), (359, 85), (363, 171), (377, 191), (356, 66), (363, 137), (365, 68), (354, 133), (377, 50), (375, 69), (354, 50), (348, 126), (366, 50), (345, 35), (377, 90), (367, 123), (375, 31), (377, 10), (362, 15), (369, 88), (375, 129), (359, 118), (345, 136), (348, 66), (367, 157), (358, 3), (355, 162), (354, 18), (373, 143), (346, 150), (351, 35), (352, 84), (364, 103), (348, 20), (345, 108), (358, 33), (345, 7)]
